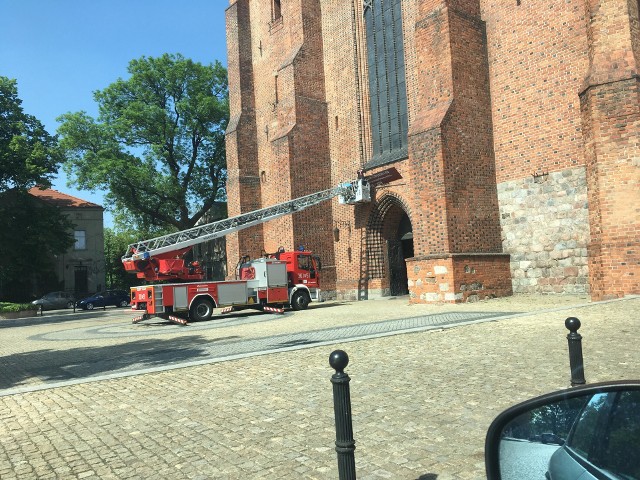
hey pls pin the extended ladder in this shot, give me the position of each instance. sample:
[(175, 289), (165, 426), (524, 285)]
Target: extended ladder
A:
[(350, 193)]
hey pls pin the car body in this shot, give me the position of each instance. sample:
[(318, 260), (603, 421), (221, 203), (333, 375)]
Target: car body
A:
[(116, 298), (603, 442), (55, 300)]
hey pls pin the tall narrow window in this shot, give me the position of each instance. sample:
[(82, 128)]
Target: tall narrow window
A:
[(387, 83), (81, 240), (275, 9)]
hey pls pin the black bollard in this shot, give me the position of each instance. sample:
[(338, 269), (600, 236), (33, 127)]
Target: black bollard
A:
[(345, 444), (575, 351)]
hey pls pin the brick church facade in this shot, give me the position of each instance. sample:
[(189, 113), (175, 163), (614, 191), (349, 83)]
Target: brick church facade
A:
[(510, 130)]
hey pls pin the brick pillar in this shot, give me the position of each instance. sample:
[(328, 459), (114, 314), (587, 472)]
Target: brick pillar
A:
[(243, 183), (610, 108), (457, 242), (277, 139), (300, 143)]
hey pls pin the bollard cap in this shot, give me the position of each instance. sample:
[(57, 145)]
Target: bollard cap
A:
[(572, 324), (339, 360)]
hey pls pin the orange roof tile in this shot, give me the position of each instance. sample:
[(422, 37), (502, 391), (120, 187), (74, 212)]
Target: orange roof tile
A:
[(60, 199)]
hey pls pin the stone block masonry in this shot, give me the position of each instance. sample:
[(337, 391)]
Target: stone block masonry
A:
[(545, 229)]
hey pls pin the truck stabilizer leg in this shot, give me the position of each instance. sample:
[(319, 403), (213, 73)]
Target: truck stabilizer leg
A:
[(272, 309), (177, 320), (140, 318)]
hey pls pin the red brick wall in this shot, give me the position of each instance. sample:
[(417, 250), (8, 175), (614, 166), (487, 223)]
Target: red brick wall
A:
[(537, 63), (348, 134), (451, 146), (243, 185), (472, 201), (559, 100), (610, 106), (281, 61), (497, 92), (308, 124)]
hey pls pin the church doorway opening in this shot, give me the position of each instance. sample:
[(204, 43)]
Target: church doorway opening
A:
[(389, 244), (400, 247)]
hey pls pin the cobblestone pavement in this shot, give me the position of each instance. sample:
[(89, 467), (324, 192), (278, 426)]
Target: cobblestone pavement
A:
[(52, 368), (422, 400)]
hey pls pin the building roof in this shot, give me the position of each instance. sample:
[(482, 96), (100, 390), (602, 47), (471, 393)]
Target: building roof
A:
[(60, 199)]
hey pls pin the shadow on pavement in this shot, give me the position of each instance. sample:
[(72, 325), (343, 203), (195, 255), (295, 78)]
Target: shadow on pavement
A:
[(82, 362), (52, 318), (316, 305)]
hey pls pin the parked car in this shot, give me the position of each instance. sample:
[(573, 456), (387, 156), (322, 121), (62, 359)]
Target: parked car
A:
[(117, 298), (551, 438), (54, 300)]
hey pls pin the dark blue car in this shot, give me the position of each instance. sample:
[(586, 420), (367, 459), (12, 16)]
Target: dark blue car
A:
[(117, 298)]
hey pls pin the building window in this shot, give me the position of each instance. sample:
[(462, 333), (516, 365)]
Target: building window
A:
[(81, 240), (387, 81), (276, 11)]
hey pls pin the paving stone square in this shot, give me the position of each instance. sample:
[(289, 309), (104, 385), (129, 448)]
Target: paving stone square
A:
[(250, 397)]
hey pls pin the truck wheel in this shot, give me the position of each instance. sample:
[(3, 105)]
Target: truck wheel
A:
[(201, 309), (300, 300)]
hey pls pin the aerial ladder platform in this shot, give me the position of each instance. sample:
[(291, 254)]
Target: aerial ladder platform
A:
[(160, 258)]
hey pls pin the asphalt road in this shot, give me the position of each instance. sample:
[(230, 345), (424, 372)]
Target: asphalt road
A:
[(520, 460)]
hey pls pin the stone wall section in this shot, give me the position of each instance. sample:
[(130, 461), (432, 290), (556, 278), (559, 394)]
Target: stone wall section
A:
[(545, 229), (458, 278)]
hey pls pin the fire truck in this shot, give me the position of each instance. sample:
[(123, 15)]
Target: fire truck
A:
[(271, 283)]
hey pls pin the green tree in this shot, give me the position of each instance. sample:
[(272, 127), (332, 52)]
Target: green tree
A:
[(29, 156), (157, 146), (32, 232), (115, 244), (37, 232)]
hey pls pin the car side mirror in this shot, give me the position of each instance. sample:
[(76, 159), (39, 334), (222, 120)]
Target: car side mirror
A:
[(591, 430)]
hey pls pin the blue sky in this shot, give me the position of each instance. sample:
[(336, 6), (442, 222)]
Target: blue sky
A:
[(60, 51)]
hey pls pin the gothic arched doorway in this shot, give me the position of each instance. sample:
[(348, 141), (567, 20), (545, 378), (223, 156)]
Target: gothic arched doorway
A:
[(400, 247), (390, 243)]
